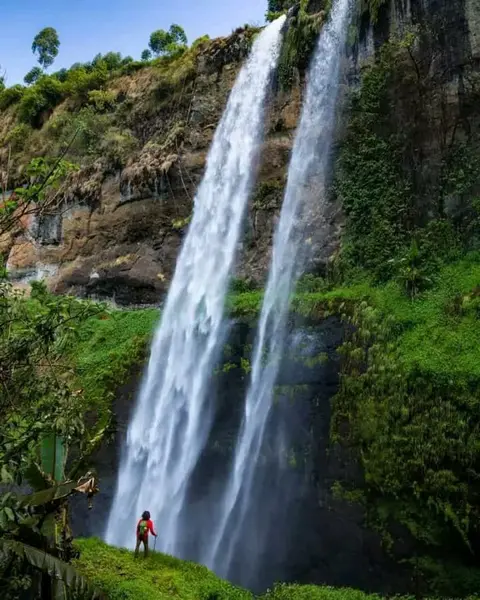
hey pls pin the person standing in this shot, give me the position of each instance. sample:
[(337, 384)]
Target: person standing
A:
[(144, 527)]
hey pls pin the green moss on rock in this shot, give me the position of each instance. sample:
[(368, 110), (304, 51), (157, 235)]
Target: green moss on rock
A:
[(108, 346)]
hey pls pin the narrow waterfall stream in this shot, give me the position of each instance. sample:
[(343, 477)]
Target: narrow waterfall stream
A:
[(173, 416), (308, 170)]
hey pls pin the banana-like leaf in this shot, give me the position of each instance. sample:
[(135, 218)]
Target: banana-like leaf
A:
[(36, 477), (84, 485), (53, 456), (48, 529), (62, 574), (59, 590), (57, 492), (92, 445)]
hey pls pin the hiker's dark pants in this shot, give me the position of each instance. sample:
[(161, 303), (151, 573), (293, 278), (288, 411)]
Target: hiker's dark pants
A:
[(143, 541)]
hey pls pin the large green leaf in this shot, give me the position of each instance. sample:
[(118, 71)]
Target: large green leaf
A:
[(92, 445), (36, 477), (85, 485), (62, 574), (53, 456), (57, 492)]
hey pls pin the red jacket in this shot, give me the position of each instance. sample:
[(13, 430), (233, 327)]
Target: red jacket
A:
[(149, 528)]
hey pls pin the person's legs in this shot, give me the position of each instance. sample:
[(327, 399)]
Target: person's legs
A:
[(145, 543), (137, 547)]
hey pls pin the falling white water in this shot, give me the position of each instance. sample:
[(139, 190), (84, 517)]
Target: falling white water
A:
[(172, 420), (307, 173)]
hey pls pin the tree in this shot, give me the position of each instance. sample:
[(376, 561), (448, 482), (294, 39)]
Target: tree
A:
[(33, 75), (43, 414), (146, 55), (159, 40), (61, 75), (178, 34), (168, 42), (112, 60), (275, 6), (46, 44)]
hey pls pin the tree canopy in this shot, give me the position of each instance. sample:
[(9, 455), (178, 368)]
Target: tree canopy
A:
[(46, 44), (33, 75), (168, 42)]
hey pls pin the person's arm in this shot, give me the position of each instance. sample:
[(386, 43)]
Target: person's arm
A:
[(152, 529)]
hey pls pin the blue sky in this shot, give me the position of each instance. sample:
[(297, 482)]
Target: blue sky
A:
[(86, 27)]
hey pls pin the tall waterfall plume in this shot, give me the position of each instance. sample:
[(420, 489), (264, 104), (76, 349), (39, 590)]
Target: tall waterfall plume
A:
[(237, 530), (173, 416)]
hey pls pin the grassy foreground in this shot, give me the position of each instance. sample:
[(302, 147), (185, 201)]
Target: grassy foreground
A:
[(122, 577)]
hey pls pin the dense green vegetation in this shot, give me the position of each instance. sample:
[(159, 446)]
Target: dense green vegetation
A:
[(407, 407), (299, 39), (44, 439), (107, 346)]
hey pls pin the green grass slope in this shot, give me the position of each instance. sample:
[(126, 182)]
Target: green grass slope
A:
[(120, 576), (160, 577)]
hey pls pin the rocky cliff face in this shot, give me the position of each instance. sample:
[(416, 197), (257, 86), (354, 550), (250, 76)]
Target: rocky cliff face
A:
[(117, 231), (437, 92), (116, 234)]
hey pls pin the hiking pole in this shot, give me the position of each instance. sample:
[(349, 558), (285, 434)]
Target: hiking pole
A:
[(154, 543)]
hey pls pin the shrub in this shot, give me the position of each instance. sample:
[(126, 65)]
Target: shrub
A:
[(61, 75), (200, 41), (108, 346), (18, 136), (11, 95), (298, 46), (116, 146), (309, 283), (102, 100), (241, 286), (88, 125), (40, 98), (131, 67), (80, 81)]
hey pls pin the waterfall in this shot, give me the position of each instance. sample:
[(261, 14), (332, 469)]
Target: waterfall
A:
[(306, 179), (173, 416)]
